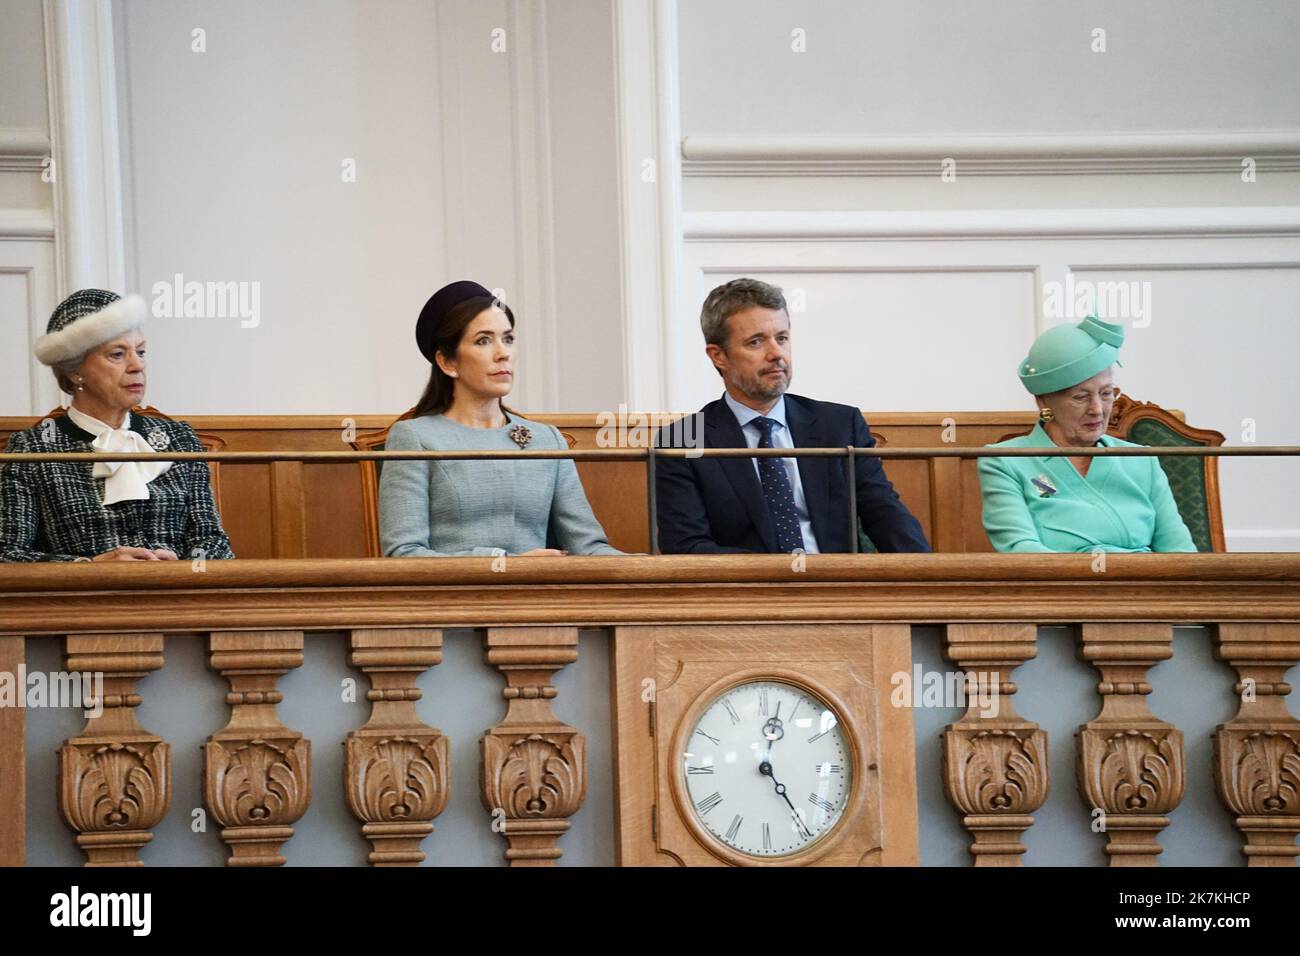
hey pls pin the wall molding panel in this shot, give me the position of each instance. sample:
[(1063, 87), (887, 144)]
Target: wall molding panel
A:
[(948, 224), (1008, 155), (26, 224), (23, 149), (27, 297)]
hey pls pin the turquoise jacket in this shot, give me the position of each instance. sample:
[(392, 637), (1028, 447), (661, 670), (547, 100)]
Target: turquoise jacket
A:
[(1045, 505)]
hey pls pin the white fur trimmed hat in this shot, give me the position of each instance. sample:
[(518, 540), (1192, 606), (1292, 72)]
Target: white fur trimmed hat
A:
[(85, 319)]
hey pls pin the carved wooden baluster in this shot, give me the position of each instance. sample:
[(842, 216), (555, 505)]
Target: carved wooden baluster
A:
[(1131, 764), (994, 761), (1257, 753), (256, 771), (115, 780), (534, 766), (396, 771)]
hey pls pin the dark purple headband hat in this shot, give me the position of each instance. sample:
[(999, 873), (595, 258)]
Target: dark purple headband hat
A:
[(439, 304)]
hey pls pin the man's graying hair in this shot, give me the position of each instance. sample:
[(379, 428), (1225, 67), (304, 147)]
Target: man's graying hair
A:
[(732, 297)]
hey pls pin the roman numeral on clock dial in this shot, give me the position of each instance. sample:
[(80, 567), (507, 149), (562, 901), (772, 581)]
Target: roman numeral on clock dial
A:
[(708, 803), (821, 803), (734, 828)]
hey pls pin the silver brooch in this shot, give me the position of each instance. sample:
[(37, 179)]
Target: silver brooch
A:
[(521, 435), (158, 440), (1044, 485)]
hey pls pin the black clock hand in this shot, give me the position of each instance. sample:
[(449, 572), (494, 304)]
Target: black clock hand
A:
[(773, 729), (765, 769)]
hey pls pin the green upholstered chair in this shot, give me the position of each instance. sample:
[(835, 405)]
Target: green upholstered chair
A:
[(1193, 481)]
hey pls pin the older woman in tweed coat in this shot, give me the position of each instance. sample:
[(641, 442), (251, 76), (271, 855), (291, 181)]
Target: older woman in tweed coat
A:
[(105, 511)]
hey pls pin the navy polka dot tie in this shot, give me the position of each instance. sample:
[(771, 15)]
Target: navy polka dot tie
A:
[(778, 491)]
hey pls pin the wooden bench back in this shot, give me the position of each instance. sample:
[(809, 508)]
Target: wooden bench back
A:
[(298, 510)]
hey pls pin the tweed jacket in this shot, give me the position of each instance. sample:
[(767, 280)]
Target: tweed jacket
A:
[(54, 511)]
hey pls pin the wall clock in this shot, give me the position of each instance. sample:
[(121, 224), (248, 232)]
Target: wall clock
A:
[(766, 768), (763, 745)]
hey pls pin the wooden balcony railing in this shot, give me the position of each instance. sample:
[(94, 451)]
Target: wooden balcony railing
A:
[(836, 618)]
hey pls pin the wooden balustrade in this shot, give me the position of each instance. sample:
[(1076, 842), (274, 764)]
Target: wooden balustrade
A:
[(115, 780), (1132, 766), (534, 765), (256, 771), (995, 763), (397, 770), (261, 618), (1257, 753)]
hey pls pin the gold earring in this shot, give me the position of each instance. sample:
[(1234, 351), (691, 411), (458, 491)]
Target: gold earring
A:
[(1045, 415)]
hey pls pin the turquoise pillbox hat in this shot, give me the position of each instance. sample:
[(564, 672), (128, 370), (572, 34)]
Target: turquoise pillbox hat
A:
[(1066, 355)]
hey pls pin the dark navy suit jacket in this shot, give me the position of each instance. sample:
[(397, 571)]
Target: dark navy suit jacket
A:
[(716, 505)]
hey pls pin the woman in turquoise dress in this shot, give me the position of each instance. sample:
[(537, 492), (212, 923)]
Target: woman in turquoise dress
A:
[(1053, 504)]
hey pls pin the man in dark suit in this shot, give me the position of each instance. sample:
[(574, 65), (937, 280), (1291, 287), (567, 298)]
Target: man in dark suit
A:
[(774, 505)]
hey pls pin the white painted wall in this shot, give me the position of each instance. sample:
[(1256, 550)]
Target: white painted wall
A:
[(1013, 66), (470, 162)]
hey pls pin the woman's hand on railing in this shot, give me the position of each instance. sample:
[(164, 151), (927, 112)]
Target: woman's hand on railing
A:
[(136, 554), (547, 552)]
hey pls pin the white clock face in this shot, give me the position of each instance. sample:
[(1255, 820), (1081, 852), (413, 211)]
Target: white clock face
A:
[(768, 770)]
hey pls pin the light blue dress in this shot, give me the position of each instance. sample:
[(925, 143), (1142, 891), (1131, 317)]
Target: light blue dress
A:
[(482, 508), (1045, 505)]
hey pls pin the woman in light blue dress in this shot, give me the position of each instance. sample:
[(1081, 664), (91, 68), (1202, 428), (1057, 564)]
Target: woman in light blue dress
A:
[(478, 507)]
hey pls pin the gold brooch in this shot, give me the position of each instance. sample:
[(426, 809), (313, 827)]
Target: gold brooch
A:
[(521, 435)]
